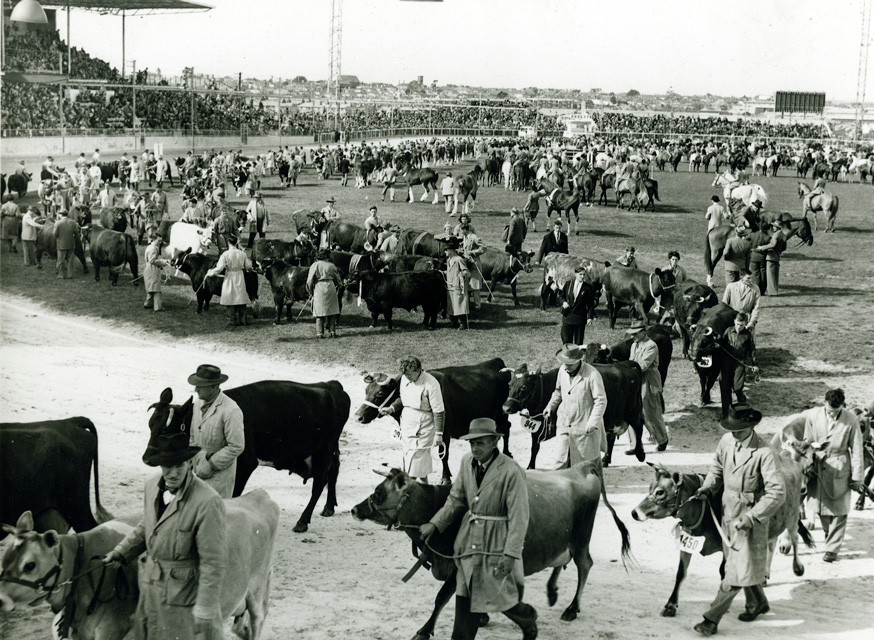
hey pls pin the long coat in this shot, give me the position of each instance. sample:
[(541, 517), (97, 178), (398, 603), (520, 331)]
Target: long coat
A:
[(323, 281), (233, 261), (502, 500), (753, 486), (646, 354), (828, 491), (66, 231), (152, 271), (221, 437), (457, 287), (11, 224), (581, 402), (182, 572)]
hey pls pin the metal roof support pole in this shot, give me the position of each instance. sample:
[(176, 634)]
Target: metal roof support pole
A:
[(123, 67), (69, 46)]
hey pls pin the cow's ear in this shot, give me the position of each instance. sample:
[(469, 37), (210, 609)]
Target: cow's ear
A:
[(658, 271), (606, 263), (538, 370), (51, 538), (530, 254), (167, 395), (367, 377), (401, 480), (677, 479), (25, 522)]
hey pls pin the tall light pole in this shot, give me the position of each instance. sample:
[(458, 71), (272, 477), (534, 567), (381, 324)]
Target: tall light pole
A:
[(335, 46), (863, 69)]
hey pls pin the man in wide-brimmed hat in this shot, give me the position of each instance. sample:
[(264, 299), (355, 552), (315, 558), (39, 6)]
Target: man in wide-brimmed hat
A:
[(748, 471), (490, 487), (578, 404), (183, 535), (645, 352), (217, 428)]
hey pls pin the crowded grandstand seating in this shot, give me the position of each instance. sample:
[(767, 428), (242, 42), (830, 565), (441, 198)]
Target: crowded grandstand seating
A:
[(694, 125)]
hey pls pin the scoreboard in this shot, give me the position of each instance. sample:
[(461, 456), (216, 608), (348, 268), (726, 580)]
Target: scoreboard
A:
[(799, 102)]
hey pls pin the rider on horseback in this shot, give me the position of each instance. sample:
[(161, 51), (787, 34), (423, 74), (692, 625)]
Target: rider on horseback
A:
[(818, 190)]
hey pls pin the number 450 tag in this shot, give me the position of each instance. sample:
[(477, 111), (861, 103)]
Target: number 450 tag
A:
[(687, 542)]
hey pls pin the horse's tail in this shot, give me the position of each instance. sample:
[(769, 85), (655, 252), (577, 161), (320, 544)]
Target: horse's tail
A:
[(837, 202), (708, 257), (804, 534)]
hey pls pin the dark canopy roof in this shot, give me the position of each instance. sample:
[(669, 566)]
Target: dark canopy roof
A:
[(131, 7)]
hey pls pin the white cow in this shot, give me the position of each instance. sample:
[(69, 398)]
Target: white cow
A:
[(185, 236)]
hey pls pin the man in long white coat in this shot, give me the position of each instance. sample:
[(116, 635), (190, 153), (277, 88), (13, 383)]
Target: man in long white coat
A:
[(457, 285), (152, 273), (233, 262), (578, 402), (838, 464), (645, 352), (323, 283)]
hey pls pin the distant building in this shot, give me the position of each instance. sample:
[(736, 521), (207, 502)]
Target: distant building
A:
[(349, 82)]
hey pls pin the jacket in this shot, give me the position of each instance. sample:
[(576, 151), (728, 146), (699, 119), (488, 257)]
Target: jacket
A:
[(581, 402), (220, 434), (841, 461), (737, 253), (180, 575), (233, 262), (576, 313), (753, 488), (323, 281), (66, 232), (740, 297), (502, 497), (152, 271), (549, 244), (517, 231), (740, 344)]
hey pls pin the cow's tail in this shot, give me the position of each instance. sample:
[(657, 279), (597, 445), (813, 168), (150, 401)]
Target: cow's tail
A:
[(102, 514), (708, 258), (805, 536), (627, 558)]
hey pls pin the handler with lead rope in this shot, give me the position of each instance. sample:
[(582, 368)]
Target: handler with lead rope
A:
[(488, 549), (423, 417)]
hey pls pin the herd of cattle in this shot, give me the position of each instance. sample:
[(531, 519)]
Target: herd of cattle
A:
[(297, 427)]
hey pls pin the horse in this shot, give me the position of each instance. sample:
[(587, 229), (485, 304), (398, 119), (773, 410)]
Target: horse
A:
[(523, 176), (732, 189), (862, 166), (772, 164), (738, 160), (631, 185), (559, 200), (826, 202), (363, 168), (426, 177), (695, 161), (585, 182), (714, 242), (465, 187), (759, 166), (607, 181), (802, 166)]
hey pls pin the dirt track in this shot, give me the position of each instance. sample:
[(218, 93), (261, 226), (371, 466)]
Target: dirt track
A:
[(342, 578)]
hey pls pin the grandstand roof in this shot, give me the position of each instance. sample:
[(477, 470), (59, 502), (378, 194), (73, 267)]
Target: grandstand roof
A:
[(131, 7)]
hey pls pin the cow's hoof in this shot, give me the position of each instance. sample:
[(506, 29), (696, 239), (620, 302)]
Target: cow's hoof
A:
[(669, 611), (577, 232), (569, 614), (301, 527), (860, 506), (113, 284), (484, 619), (552, 596), (327, 512)]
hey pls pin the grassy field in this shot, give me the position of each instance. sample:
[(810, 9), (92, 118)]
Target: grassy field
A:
[(824, 313)]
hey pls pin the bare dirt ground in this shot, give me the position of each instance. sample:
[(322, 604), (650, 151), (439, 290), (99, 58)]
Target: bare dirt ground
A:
[(342, 578)]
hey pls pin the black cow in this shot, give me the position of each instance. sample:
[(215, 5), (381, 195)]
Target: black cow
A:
[(18, 183), (289, 284), (45, 468), (113, 249), (109, 171), (500, 266), (469, 392), (530, 392), (563, 507), (420, 243), (293, 253), (283, 166), (114, 218), (288, 425), (348, 263), (635, 288), (47, 243), (621, 351), (711, 359), (344, 235), (384, 292), (195, 266), (690, 301)]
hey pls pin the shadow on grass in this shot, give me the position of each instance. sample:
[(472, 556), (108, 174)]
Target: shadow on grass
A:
[(800, 289), (607, 233), (855, 230), (667, 208), (774, 358), (801, 257)]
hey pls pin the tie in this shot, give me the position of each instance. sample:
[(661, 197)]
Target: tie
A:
[(479, 472), (557, 236)]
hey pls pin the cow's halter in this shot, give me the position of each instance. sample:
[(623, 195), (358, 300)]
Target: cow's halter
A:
[(384, 402), (396, 508)]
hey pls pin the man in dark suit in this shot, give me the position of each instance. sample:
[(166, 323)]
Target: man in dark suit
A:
[(577, 299), (66, 233), (554, 241)]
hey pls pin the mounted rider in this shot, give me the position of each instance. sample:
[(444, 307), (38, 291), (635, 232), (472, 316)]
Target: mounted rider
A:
[(818, 190)]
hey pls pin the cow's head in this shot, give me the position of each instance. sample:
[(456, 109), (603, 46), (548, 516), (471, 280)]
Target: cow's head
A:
[(29, 566), (381, 391), (598, 353), (393, 501), (169, 417), (669, 494), (703, 343), (524, 387), (694, 302)]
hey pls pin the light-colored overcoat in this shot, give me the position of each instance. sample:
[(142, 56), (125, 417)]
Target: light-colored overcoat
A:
[(581, 401), (233, 261), (181, 574), (839, 462), (457, 287), (324, 281), (753, 486), (502, 502), (220, 434)]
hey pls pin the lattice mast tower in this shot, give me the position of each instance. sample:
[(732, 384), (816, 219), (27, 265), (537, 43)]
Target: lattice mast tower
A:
[(863, 69), (335, 46)]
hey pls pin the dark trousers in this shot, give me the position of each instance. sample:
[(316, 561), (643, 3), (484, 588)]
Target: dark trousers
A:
[(467, 622), (760, 279), (755, 597), (573, 333), (740, 378)]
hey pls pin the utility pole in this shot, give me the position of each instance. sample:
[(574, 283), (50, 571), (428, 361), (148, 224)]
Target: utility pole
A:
[(335, 45), (863, 70)]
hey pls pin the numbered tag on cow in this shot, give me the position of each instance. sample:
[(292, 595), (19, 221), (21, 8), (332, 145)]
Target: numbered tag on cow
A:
[(685, 541)]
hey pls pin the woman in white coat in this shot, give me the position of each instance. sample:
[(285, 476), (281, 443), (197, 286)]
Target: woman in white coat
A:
[(233, 262)]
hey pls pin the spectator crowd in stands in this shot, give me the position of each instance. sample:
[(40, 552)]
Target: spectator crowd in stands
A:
[(617, 122)]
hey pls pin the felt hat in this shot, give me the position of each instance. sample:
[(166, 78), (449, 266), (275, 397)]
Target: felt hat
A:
[(740, 416), (218, 193), (207, 375), (636, 327), (570, 353), (481, 428), (331, 200)]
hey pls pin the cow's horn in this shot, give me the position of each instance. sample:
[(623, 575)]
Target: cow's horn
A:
[(686, 296), (708, 331), (170, 416), (700, 298), (368, 377), (380, 472), (505, 369)]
